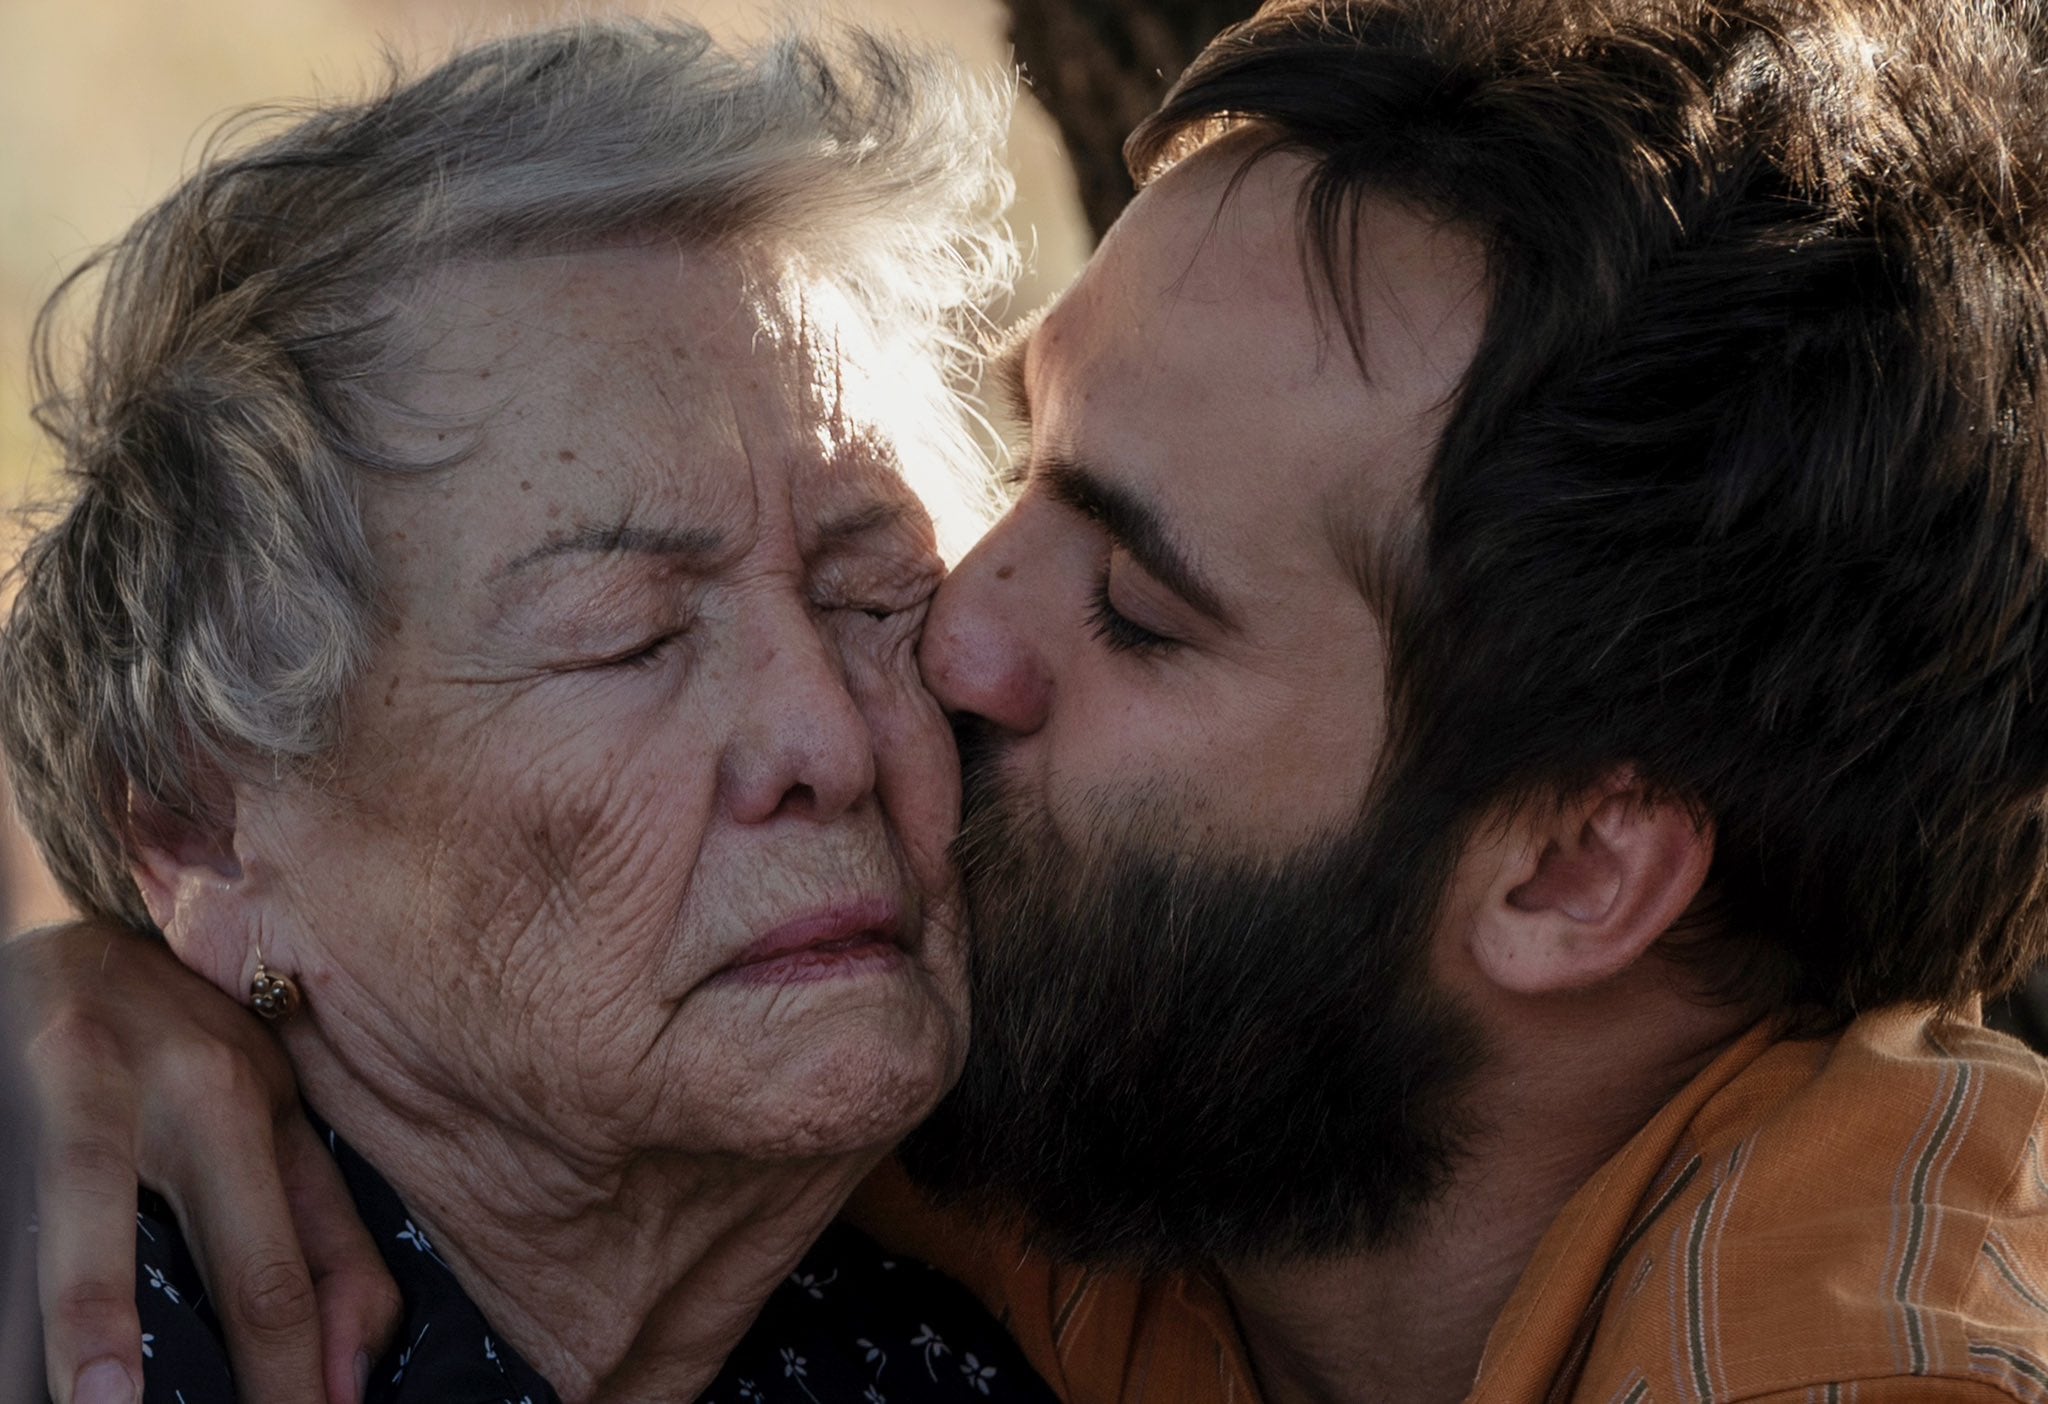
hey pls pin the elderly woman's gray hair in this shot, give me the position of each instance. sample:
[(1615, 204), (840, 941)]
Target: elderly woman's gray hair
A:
[(221, 420)]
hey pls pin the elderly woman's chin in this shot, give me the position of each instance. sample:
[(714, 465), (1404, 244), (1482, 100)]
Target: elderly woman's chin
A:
[(837, 1053), (859, 1077)]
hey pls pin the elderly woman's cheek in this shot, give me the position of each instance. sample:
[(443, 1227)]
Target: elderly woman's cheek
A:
[(613, 835), (571, 832), (917, 770), (917, 780)]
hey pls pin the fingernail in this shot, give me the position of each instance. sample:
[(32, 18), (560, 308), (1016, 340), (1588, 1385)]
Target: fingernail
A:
[(104, 1382), (362, 1373)]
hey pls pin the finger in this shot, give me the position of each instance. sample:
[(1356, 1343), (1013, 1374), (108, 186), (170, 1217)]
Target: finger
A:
[(85, 1209), (359, 1303), (232, 1202)]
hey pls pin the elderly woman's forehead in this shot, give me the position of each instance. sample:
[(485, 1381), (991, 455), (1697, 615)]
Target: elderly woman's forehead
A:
[(672, 305), (628, 384), (642, 340)]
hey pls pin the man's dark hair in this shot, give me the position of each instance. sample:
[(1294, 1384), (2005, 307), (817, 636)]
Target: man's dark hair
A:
[(1745, 487)]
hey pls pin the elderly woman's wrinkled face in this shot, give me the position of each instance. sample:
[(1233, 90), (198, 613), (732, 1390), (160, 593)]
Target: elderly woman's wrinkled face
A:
[(638, 828)]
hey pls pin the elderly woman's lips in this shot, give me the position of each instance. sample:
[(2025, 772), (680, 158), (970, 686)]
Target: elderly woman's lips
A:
[(843, 939)]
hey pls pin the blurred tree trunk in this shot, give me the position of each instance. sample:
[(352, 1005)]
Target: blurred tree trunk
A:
[(1100, 65)]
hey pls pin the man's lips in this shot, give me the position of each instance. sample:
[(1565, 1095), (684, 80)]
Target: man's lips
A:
[(844, 938)]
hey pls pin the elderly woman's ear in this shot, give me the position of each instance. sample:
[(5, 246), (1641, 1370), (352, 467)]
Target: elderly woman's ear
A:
[(189, 869)]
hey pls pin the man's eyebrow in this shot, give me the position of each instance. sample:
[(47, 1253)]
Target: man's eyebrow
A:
[(1136, 525), (618, 539)]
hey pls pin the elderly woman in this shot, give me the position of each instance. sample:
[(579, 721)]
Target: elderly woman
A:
[(482, 639)]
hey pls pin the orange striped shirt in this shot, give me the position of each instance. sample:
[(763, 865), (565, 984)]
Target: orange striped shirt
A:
[(1859, 1218), (1856, 1218)]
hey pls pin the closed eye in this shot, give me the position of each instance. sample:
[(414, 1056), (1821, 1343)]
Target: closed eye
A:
[(880, 606), (909, 615), (1116, 632), (646, 655)]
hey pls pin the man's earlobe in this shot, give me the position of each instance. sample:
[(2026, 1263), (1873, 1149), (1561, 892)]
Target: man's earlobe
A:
[(1587, 888)]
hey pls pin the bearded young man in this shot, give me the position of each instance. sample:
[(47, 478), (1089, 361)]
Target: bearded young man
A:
[(1503, 735)]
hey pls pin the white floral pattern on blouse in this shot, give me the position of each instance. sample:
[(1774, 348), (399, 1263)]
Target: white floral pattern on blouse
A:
[(852, 1325)]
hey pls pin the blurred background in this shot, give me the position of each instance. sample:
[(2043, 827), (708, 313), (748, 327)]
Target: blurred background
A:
[(103, 104)]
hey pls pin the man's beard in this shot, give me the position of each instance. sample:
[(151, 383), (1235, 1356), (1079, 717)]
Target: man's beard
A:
[(1181, 1057)]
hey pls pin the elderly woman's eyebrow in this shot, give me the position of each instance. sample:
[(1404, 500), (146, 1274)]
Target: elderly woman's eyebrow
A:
[(848, 527), (618, 539), (1005, 373)]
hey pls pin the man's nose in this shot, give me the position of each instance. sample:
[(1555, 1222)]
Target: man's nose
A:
[(981, 653), (804, 748)]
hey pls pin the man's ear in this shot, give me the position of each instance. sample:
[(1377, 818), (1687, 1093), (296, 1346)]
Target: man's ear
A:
[(1584, 889)]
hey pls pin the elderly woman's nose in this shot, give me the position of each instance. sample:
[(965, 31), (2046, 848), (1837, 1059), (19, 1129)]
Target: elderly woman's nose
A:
[(802, 747)]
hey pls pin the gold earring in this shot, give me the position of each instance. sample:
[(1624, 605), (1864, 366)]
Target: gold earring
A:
[(275, 997)]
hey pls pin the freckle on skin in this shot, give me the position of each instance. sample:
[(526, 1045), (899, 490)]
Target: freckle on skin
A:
[(483, 375), (566, 456), (1006, 572), (525, 486)]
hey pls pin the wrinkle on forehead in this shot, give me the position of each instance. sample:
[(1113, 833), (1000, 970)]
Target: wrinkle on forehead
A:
[(817, 329), (614, 388), (878, 398)]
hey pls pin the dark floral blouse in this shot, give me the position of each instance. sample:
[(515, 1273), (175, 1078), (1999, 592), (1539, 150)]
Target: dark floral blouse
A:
[(852, 1324)]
